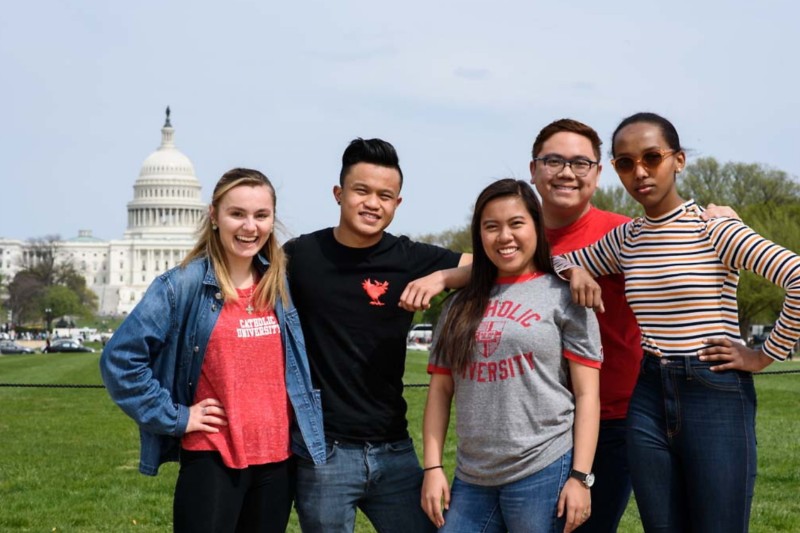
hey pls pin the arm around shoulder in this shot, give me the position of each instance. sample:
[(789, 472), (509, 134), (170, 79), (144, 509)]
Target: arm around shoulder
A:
[(418, 294)]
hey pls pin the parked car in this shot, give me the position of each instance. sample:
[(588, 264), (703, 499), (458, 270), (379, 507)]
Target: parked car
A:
[(421, 333), (757, 342), (419, 337), (66, 345), (13, 347), (99, 337)]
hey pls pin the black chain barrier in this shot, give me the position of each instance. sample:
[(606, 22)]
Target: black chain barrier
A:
[(51, 386), (407, 385)]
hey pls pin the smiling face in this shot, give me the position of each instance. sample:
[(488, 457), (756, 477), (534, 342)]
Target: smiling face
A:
[(565, 197), (656, 189), (245, 216), (508, 235), (368, 199)]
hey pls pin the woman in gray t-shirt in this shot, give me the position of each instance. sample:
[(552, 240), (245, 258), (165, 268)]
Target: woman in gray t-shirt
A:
[(522, 362)]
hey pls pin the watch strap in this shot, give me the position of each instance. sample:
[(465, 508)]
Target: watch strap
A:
[(584, 478)]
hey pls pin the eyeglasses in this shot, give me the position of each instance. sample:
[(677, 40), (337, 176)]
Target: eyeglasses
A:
[(649, 160), (554, 164)]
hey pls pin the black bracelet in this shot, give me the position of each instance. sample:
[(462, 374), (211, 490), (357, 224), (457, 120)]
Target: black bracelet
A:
[(433, 468)]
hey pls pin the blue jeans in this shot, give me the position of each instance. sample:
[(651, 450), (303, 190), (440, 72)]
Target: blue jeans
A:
[(612, 487), (692, 446), (527, 505), (382, 479)]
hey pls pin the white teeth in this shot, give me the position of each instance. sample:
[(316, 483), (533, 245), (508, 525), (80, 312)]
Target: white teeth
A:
[(247, 239), (505, 251)]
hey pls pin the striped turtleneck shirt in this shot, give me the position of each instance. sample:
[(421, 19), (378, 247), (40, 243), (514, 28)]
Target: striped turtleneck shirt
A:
[(681, 274)]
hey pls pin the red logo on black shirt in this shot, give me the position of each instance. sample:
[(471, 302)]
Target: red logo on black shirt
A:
[(489, 337), (375, 289)]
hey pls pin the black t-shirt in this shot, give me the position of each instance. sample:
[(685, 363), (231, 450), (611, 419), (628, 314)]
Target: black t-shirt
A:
[(354, 330)]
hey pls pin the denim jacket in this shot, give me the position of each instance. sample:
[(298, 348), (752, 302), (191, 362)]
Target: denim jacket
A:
[(151, 365)]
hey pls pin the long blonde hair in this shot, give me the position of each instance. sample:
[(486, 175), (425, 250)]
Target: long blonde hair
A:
[(272, 284)]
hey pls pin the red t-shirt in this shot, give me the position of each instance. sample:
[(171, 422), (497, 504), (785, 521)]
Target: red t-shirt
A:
[(619, 331), (244, 368)]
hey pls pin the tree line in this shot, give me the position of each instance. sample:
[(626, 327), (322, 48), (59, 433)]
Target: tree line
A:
[(47, 287)]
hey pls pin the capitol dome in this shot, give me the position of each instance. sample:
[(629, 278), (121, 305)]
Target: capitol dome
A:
[(166, 196), (167, 160)]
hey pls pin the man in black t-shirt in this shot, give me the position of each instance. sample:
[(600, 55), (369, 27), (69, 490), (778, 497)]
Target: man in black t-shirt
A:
[(346, 282)]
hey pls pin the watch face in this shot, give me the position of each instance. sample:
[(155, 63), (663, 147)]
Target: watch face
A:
[(589, 480)]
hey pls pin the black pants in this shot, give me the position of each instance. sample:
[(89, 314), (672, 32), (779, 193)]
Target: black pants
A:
[(210, 497), (612, 486)]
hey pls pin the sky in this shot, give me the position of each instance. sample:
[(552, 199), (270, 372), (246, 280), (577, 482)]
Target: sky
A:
[(461, 88)]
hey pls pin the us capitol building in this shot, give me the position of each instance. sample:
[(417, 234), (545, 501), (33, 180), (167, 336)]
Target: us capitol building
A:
[(162, 218)]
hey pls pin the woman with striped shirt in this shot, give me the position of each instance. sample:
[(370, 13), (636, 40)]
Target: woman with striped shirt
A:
[(691, 423)]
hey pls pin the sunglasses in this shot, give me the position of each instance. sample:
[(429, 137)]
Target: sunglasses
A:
[(649, 160)]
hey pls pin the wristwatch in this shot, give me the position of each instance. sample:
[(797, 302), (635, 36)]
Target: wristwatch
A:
[(586, 479)]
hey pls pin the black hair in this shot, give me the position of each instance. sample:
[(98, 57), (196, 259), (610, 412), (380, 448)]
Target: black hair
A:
[(667, 129), (374, 151), (570, 126)]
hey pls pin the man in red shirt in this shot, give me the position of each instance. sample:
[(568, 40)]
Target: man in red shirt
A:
[(565, 171)]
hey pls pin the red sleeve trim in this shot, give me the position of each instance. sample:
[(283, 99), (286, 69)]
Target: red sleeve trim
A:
[(433, 369), (582, 360)]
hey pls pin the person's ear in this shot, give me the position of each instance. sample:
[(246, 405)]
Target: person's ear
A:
[(680, 161), (337, 194)]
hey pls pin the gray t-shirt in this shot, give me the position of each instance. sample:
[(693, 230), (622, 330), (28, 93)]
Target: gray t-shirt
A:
[(514, 406)]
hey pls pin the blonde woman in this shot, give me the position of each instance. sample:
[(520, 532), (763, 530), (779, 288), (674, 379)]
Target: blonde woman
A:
[(211, 365)]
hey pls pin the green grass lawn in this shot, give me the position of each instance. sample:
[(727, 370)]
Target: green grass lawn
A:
[(68, 457)]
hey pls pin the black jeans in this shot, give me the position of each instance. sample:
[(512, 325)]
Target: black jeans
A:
[(210, 497), (612, 486)]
